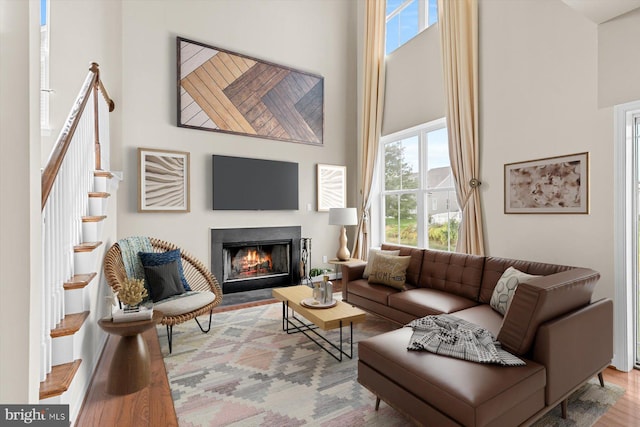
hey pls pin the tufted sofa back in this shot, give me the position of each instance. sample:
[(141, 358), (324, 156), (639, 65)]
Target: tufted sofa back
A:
[(455, 273)]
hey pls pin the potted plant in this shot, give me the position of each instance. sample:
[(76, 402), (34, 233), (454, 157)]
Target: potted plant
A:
[(132, 292)]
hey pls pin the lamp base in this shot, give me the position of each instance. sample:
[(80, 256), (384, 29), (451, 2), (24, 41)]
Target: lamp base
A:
[(343, 253)]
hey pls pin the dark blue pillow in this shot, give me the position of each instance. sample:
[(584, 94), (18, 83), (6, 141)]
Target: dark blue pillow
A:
[(152, 259)]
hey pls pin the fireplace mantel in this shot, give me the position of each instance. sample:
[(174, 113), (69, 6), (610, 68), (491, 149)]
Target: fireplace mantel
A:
[(221, 237)]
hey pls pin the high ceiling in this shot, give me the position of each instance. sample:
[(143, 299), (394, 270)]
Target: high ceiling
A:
[(600, 11)]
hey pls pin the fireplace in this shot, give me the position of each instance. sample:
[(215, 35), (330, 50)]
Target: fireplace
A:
[(244, 259)]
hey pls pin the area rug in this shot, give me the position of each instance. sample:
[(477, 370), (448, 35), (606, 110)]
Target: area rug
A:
[(248, 372), (586, 405)]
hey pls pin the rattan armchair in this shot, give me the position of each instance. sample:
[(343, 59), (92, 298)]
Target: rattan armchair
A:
[(197, 275)]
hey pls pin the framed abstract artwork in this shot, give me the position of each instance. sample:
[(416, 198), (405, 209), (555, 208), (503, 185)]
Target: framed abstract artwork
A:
[(332, 187), (224, 91), (551, 185), (163, 181)]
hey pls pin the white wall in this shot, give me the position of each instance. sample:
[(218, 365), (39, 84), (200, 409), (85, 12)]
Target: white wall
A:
[(539, 98), (82, 32), (318, 36), (539, 86), (20, 282), (618, 62)]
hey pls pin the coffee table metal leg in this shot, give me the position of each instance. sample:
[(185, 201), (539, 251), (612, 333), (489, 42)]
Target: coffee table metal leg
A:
[(290, 327)]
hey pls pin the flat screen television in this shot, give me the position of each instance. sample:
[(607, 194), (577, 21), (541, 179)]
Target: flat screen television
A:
[(241, 183)]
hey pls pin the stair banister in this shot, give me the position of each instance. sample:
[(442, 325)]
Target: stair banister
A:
[(67, 179)]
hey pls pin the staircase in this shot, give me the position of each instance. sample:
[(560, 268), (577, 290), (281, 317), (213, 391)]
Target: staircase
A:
[(76, 229)]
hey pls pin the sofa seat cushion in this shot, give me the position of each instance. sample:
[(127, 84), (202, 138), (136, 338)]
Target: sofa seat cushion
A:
[(422, 302), (467, 392), (372, 291), (482, 315)]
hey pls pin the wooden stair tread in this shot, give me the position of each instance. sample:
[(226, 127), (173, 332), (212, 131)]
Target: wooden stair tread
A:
[(94, 218), (79, 281), (86, 246), (59, 379), (103, 173), (100, 194), (69, 325)]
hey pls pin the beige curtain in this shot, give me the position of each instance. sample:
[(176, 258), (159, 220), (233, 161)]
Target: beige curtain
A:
[(373, 99), (458, 23)]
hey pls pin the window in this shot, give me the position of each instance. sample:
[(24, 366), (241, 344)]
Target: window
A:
[(627, 236), (419, 204), (406, 18), (636, 184), (44, 65)]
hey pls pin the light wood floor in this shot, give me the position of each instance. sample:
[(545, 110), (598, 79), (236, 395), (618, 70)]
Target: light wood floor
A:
[(153, 406), (626, 411)]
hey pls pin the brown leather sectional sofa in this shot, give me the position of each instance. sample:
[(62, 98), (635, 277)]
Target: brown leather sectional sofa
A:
[(564, 338)]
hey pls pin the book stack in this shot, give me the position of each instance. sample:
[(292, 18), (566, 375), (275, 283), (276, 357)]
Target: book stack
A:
[(121, 315)]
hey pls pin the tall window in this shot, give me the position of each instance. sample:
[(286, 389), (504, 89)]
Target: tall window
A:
[(44, 65), (627, 236), (636, 288), (406, 18), (419, 205)]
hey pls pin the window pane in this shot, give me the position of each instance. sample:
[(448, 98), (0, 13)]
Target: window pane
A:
[(392, 34), (401, 165), (401, 224), (409, 22), (444, 218), (392, 5), (405, 19), (433, 12), (438, 148)]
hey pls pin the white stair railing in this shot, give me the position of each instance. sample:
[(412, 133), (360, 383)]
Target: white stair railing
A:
[(66, 182)]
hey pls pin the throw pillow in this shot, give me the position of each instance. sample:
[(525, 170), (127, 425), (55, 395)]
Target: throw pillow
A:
[(150, 259), (390, 270), (163, 280), (505, 288), (372, 259)]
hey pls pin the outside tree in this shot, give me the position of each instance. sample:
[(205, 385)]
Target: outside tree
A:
[(399, 175)]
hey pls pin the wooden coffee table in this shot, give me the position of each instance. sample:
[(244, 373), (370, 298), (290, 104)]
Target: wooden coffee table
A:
[(324, 318)]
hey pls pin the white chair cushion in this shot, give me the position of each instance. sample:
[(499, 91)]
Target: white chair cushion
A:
[(184, 303)]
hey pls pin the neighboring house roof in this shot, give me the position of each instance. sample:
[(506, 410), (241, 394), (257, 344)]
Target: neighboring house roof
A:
[(440, 177)]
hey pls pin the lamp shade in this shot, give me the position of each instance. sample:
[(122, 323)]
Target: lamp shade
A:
[(343, 216)]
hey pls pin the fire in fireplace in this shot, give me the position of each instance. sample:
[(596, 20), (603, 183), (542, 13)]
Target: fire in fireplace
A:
[(244, 259), (253, 261)]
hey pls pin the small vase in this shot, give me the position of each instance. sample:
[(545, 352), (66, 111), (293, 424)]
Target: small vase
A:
[(327, 290), (317, 292)]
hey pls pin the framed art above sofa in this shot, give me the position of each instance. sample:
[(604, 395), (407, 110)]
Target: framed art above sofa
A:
[(550, 185)]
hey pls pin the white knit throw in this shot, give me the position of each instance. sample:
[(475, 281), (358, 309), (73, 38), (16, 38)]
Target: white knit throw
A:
[(449, 335)]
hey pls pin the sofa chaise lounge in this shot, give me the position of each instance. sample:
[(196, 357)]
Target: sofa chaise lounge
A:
[(551, 324)]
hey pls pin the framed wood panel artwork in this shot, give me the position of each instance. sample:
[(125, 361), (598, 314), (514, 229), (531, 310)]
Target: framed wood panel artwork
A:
[(223, 91), (332, 187), (551, 185), (163, 181)]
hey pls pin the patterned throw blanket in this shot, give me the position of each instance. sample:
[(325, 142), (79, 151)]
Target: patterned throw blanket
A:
[(451, 336), (129, 248)]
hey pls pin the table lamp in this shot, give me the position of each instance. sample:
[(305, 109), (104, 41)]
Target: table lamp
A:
[(343, 217)]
